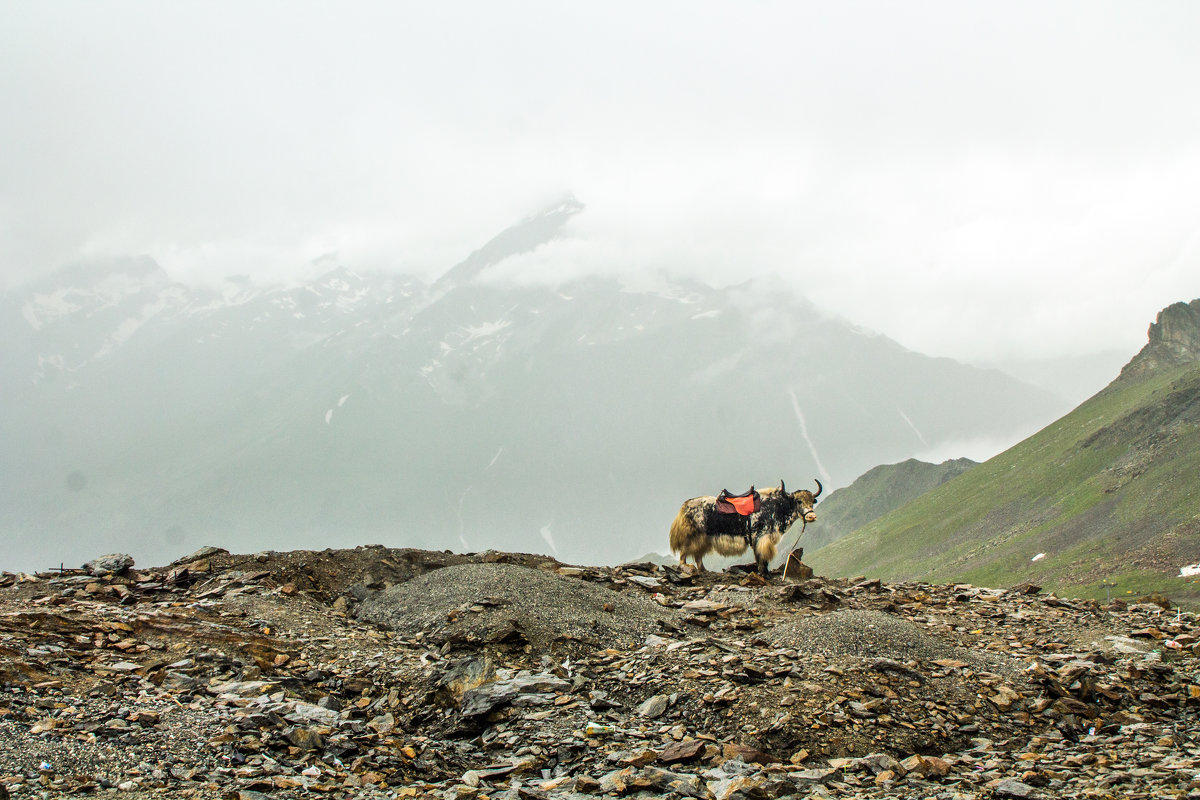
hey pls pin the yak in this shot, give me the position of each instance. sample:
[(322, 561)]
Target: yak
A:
[(705, 524)]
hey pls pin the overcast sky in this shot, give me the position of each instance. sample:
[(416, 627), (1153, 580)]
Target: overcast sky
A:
[(977, 180)]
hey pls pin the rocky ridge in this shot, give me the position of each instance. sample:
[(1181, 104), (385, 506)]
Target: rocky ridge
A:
[(379, 673), (1173, 339)]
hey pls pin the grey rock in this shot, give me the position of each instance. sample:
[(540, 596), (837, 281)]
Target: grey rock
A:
[(730, 768), (654, 707), (738, 787), (811, 776), (483, 699), (599, 701), (243, 688), (677, 782), (203, 552), (879, 762), (111, 564), (301, 712), (1010, 787)]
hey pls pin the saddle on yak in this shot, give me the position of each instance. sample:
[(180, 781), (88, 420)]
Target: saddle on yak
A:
[(741, 504)]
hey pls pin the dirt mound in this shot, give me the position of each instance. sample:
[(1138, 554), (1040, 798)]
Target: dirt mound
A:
[(863, 634), (326, 574), (496, 603)]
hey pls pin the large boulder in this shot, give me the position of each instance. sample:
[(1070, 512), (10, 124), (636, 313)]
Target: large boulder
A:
[(111, 564)]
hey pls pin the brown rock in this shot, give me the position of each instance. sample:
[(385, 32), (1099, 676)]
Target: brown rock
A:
[(927, 766), (1069, 705), (640, 758), (795, 569), (617, 781), (751, 755), (305, 738), (687, 750), (1005, 697), (586, 784)]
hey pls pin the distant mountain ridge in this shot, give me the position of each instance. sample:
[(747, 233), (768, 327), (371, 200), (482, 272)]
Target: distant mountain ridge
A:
[(1104, 499), (524, 237), (151, 417), (875, 493)]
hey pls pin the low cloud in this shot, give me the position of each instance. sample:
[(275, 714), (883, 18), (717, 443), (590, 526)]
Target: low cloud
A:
[(899, 164)]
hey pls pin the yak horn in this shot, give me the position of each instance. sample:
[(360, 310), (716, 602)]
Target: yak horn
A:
[(781, 489), (820, 488)]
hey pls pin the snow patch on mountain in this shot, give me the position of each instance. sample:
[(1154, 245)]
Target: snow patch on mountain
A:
[(46, 365), (812, 448), (237, 292), (910, 424), (341, 402), (43, 309), (658, 285), (130, 325), (123, 333), (484, 329)]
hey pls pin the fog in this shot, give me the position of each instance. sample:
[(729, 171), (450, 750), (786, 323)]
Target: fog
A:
[(989, 182)]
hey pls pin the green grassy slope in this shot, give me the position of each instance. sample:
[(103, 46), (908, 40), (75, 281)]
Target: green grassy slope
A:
[(875, 493), (1110, 494)]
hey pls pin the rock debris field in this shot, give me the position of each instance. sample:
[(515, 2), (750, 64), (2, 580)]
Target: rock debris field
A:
[(385, 673)]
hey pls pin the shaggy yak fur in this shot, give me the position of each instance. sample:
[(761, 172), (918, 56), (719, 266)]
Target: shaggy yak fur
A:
[(699, 528)]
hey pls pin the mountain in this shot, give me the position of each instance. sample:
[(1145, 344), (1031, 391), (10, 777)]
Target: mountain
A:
[(1104, 500), (1173, 340), (876, 492), (526, 236), (146, 416)]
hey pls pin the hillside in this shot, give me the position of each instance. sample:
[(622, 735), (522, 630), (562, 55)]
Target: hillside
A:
[(150, 417), (1103, 501), (876, 492), (380, 673)]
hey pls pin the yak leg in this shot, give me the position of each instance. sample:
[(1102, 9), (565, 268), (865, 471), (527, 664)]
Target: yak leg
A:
[(764, 551)]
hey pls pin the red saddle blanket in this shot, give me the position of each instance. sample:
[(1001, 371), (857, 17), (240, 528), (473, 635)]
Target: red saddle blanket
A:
[(743, 504)]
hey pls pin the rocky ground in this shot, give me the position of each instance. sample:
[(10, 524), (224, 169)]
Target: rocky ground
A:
[(380, 673)]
